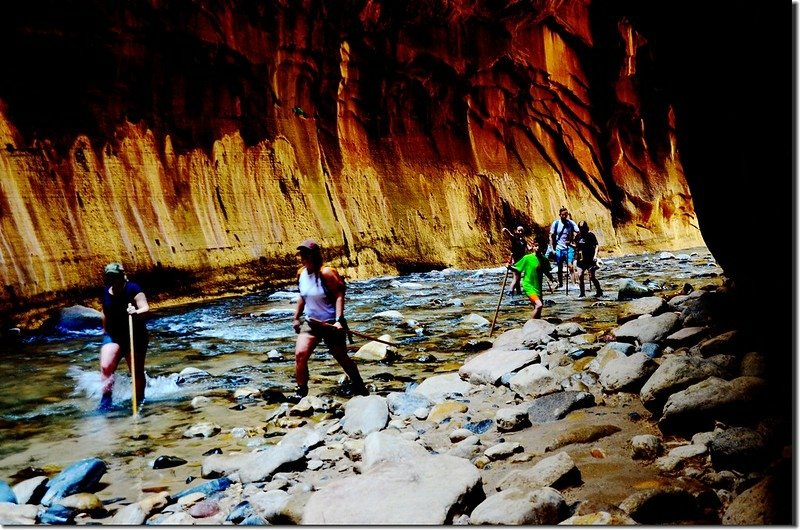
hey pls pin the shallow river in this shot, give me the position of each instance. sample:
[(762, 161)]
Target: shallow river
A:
[(50, 387)]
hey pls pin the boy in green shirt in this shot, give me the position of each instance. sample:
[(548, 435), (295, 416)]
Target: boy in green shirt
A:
[(532, 267)]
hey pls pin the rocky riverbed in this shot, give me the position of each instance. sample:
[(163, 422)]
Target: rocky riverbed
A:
[(665, 418)]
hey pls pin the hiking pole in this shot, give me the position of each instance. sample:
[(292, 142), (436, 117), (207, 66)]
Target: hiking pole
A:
[(134, 404), (497, 310), (550, 285), (356, 333)]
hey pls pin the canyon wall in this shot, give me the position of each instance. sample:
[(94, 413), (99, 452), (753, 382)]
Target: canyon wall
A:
[(199, 142)]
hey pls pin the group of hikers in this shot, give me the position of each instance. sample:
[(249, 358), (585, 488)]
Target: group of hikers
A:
[(569, 243), (319, 313), (318, 317)]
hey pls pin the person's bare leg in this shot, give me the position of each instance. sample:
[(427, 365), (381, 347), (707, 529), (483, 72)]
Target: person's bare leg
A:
[(109, 359), (581, 282), (350, 368), (537, 305), (305, 344), (515, 285)]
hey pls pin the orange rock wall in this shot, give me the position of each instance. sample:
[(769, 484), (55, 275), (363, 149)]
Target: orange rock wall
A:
[(399, 136)]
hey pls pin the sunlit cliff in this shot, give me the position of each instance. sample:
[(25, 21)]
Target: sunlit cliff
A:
[(199, 142)]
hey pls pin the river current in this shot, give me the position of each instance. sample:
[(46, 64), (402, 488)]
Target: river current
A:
[(50, 388)]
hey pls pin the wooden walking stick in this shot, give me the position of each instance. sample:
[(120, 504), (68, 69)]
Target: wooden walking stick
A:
[(134, 404), (348, 330), (497, 310)]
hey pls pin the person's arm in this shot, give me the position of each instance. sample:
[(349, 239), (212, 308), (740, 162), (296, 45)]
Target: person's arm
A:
[(336, 286), (298, 312), (507, 232), (596, 248), (141, 305)]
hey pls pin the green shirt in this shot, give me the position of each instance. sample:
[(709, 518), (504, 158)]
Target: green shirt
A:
[(532, 269)]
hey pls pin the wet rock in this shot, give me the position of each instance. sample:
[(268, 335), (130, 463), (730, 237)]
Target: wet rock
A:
[(676, 373), (83, 475), (439, 388), (738, 448), (405, 403), (646, 446), (202, 430), (651, 349), (503, 450), (700, 405), (7, 493), (57, 514), (661, 506), (79, 318), (421, 490), (649, 305), (599, 519), (445, 410), (83, 502), (364, 415), (259, 465), (686, 336), (515, 506), (581, 434), (207, 488), (627, 373), (512, 418), (647, 329), (557, 471), (479, 427), (18, 514), (270, 504), (488, 367), (677, 456), (203, 509), (553, 407), (768, 502), (166, 461), (534, 381), (630, 289), (31, 491)]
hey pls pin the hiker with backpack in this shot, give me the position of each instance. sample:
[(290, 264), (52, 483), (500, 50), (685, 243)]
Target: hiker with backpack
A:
[(562, 237), (321, 304), (587, 248), (519, 247)]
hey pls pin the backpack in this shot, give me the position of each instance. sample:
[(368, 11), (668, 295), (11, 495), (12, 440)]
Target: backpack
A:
[(330, 296), (564, 226)]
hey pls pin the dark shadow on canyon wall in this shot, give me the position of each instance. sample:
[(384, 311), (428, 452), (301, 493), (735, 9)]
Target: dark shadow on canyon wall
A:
[(727, 70)]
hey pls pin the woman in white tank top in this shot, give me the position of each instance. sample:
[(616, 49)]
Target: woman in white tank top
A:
[(322, 300)]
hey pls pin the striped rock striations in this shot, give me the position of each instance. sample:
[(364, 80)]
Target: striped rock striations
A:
[(199, 142)]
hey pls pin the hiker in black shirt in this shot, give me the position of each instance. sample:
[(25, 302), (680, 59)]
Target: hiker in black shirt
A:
[(587, 246), (519, 247)]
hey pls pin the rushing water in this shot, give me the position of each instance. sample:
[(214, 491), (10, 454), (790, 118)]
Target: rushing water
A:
[(50, 387)]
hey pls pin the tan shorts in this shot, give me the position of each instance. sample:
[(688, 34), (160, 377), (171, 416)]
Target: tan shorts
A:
[(332, 337)]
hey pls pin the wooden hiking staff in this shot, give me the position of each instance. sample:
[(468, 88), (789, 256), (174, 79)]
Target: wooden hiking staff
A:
[(134, 405), (348, 330), (497, 310)]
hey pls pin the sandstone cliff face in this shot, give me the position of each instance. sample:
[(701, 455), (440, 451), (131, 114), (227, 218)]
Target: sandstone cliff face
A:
[(199, 142)]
